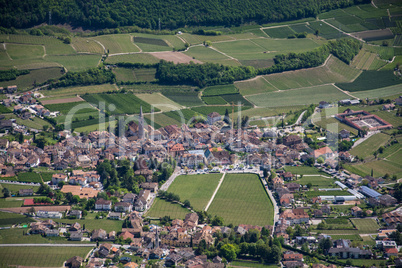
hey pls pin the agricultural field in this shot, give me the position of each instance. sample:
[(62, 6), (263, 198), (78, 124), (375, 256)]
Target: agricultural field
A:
[(73, 91), (205, 110), (29, 177), (198, 189), (146, 44), (37, 76), (250, 263), (123, 74), (119, 103), (206, 54), (334, 71), (375, 35), (161, 208), (76, 62), (302, 96), (8, 219), (4, 110), (325, 30), (185, 98), (214, 100), (183, 116), (145, 58), (367, 147), (86, 45), (367, 60), (39, 256), (366, 225), (279, 32), (316, 181), (117, 43), (265, 63), (161, 120), (301, 28), (254, 86), (171, 40), (220, 90), (303, 170), (160, 101), (236, 205)]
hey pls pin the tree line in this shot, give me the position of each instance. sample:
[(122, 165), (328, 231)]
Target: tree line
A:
[(11, 74), (171, 14), (93, 76)]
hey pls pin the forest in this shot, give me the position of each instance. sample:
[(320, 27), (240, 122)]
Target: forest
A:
[(173, 14)]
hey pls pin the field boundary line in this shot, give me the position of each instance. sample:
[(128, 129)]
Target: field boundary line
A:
[(386, 158), (344, 91), (216, 190), (104, 49), (263, 77)]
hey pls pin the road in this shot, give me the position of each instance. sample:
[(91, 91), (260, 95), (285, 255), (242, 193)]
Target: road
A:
[(276, 209), (47, 245), (369, 134), (216, 190)]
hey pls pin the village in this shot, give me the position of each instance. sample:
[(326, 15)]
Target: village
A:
[(87, 176)]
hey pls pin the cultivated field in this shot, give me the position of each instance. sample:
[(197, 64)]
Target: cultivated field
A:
[(176, 57), (160, 101), (76, 62), (367, 147), (375, 35), (367, 60), (161, 208), (366, 225), (380, 92), (61, 100), (185, 98), (117, 43), (73, 91), (198, 189), (119, 103), (161, 120), (279, 32), (8, 219), (254, 86), (206, 54), (317, 181), (302, 96), (39, 256), (303, 170), (146, 58), (86, 45), (241, 199)]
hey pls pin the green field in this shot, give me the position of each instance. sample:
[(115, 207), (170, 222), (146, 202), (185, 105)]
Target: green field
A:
[(303, 170), (367, 60), (4, 110), (334, 71), (133, 58), (325, 30), (371, 80), (86, 45), (160, 101), (161, 120), (8, 219), (367, 147), (117, 43), (76, 62), (255, 86), (205, 110), (241, 199), (380, 92), (206, 54), (119, 103), (302, 96), (249, 263), (366, 225), (29, 177), (183, 116), (214, 100), (123, 74), (317, 181), (279, 32), (161, 208), (311, 194), (73, 91), (220, 90), (39, 256), (198, 189), (14, 188), (185, 98)]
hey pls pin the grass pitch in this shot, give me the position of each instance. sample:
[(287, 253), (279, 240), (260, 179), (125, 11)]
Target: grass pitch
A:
[(161, 208), (198, 189), (241, 199)]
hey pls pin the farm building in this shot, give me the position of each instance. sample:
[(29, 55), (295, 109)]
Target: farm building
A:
[(369, 192)]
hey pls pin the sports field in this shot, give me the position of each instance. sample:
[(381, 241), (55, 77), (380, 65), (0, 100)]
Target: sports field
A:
[(241, 199), (198, 189), (302, 96), (39, 256), (161, 208)]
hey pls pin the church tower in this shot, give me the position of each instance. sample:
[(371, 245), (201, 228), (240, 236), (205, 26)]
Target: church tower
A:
[(141, 132)]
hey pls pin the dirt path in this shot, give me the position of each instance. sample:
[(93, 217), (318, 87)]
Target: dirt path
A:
[(44, 52), (345, 92), (216, 190), (104, 49), (5, 48)]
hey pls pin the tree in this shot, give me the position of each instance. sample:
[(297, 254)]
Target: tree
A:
[(325, 245), (217, 221), (6, 192), (186, 203), (228, 251)]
